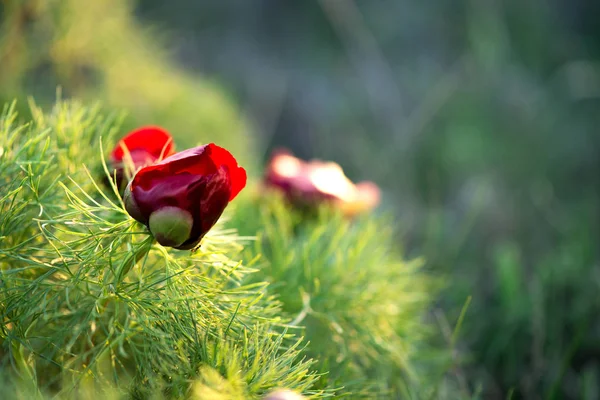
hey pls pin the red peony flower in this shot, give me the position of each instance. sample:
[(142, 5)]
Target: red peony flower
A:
[(182, 197), (140, 148), (316, 182)]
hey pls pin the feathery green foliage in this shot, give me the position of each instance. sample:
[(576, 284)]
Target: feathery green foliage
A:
[(89, 302), (360, 305)]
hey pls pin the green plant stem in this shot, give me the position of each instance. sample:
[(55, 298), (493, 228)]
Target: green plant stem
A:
[(133, 258), (27, 374)]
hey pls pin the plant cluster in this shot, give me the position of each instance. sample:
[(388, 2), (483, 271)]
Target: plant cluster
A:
[(91, 304)]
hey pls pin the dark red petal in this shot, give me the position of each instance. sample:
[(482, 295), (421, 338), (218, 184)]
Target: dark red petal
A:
[(151, 191), (195, 161), (210, 200), (201, 160), (184, 155), (201, 181), (222, 157), (152, 139), (204, 197)]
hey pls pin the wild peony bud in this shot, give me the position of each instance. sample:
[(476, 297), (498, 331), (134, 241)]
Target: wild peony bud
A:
[(180, 198), (140, 148)]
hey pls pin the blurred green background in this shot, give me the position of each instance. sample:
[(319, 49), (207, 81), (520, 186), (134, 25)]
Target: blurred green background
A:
[(479, 120)]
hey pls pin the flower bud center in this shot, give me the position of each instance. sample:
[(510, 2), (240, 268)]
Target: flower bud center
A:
[(171, 226)]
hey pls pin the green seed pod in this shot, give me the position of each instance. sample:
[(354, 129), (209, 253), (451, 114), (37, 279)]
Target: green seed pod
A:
[(171, 226)]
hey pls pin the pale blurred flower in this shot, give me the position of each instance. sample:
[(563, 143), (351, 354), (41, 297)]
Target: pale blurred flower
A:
[(314, 182), (283, 394)]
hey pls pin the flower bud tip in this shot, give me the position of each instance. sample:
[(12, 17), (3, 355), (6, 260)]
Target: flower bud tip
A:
[(131, 205)]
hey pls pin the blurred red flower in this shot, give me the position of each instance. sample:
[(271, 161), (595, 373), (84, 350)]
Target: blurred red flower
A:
[(314, 182), (183, 196), (140, 148)]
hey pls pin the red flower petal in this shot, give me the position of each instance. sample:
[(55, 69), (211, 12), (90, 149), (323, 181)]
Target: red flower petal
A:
[(202, 160), (201, 181), (152, 139), (195, 162), (222, 157)]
